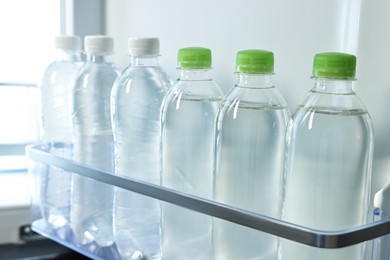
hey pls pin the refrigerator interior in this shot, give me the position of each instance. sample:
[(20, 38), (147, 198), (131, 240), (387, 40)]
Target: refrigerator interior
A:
[(293, 30)]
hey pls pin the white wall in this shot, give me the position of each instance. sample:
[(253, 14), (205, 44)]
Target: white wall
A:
[(293, 30), (373, 83)]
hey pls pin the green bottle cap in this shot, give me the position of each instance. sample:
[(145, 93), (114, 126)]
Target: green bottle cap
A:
[(334, 65), (255, 62), (194, 58)]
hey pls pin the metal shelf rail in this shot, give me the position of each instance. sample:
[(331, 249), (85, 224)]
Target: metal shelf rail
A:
[(300, 234)]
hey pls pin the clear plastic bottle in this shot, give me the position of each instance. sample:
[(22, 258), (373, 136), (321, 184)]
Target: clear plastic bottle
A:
[(250, 134), (55, 91), (329, 159), (136, 97), (189, 113), (92, 201)]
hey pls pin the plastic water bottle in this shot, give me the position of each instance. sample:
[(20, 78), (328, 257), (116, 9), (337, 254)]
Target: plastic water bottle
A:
[(92, 201), (137, 96), (189, 114), (55, 88), (251, 127), (329, 159)]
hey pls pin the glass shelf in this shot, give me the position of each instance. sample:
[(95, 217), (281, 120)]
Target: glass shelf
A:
[(277, 227)]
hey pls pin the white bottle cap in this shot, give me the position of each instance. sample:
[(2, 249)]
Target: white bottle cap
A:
[(68, 42), (98, 44), (144, 46)]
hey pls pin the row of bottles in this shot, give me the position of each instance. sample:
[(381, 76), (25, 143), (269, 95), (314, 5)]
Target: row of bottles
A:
[(241, 148)]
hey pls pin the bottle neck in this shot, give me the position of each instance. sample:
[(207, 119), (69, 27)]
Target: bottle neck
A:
[(333, 86), (99, 57), (254, 80), (147, 61), (68, 55), (196, 74)]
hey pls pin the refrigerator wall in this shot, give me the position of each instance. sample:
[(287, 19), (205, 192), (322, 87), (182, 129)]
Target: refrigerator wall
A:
[(373, 83), (294, 30)]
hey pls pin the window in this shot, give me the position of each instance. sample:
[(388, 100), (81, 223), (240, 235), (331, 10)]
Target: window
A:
[(28, 29), (19, 124), (27, 46)]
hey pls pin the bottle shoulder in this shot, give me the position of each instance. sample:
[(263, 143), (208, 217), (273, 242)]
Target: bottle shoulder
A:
[(268, 96), (62, 65), (58, 72), (197, 89), (142, 79), (95, 78), (144, 72), (98, 69), (335, 115), (262, 103), (319, 101), (99, 66)]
